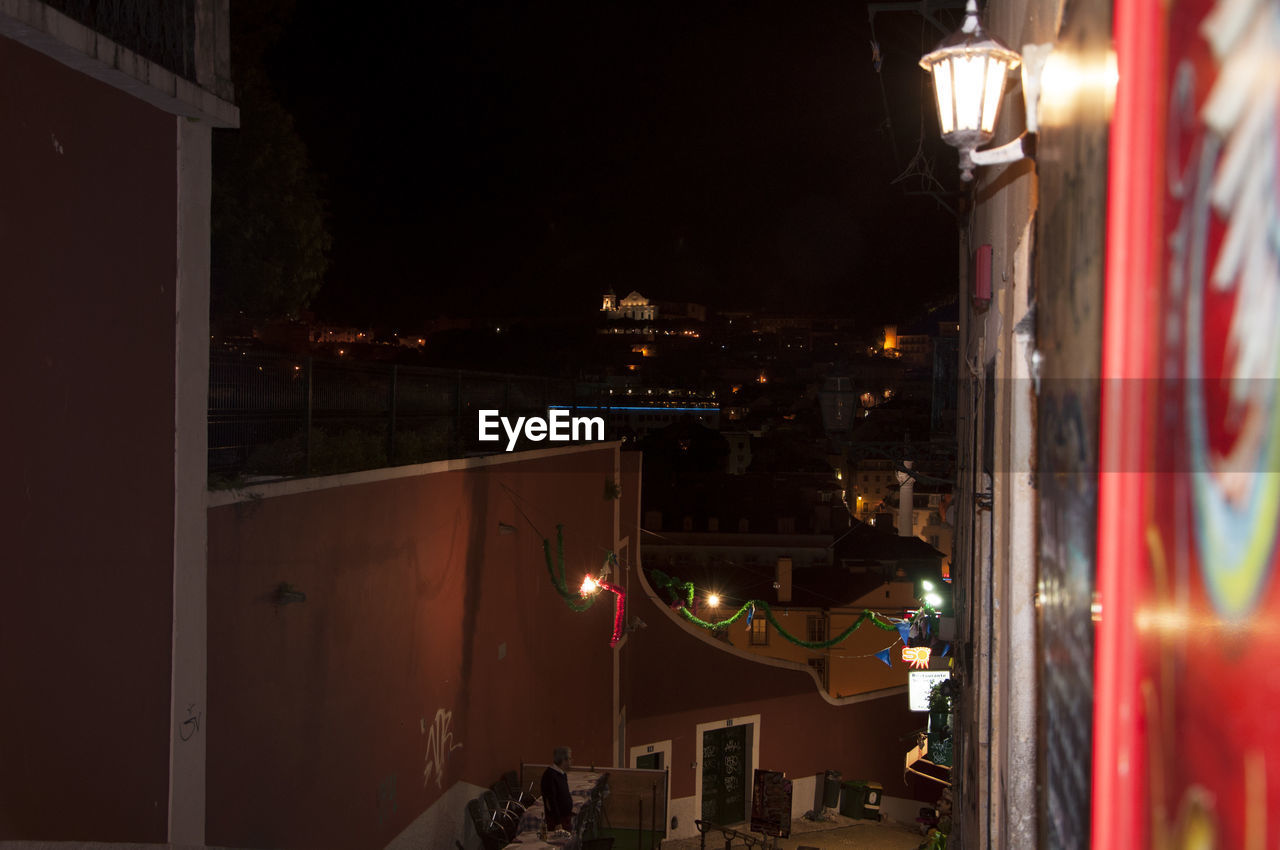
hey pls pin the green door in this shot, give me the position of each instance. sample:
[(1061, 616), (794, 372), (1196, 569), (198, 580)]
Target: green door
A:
[(653, 761), (724, 775)]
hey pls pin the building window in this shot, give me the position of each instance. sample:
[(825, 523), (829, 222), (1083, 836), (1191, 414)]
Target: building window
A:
[(687, 525), (816, 629), (820, 667), (759, 631), (744, 525), (713, 524)]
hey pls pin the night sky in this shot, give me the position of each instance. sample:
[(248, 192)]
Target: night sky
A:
[(484, 159)]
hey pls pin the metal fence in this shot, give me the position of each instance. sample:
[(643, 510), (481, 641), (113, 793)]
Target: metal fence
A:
[(163, 31), (281, 415)]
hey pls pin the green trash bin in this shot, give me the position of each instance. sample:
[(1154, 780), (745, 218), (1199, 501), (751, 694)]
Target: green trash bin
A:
[(862, 799)]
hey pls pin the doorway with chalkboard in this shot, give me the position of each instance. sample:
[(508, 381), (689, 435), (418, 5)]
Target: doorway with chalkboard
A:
[(726, 766)]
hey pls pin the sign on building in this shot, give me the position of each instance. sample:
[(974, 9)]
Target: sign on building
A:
[(920, 683)]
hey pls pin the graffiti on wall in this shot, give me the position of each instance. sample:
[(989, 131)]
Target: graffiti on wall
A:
[(439, 744), (189, 727)]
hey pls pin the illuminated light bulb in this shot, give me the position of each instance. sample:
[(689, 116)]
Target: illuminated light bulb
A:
[(926, 584), (933, 599), (713, 601), (589, 586)]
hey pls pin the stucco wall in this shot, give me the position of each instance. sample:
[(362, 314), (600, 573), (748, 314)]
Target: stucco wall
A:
[(88, 236), (431, 649)]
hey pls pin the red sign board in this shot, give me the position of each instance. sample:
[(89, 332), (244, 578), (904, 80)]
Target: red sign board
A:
[(1187, 685)]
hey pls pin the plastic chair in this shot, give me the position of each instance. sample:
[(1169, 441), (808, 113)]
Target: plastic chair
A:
[(506, 813), (525, 796), (492, 834), (508, 798)]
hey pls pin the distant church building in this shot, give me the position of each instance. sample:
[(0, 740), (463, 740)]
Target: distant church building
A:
[(634, 306)]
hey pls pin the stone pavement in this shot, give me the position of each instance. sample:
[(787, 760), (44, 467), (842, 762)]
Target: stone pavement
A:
[(840, 833)]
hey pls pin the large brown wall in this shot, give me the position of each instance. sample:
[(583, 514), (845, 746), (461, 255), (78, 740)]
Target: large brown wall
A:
[(416, 603), (88, 240)]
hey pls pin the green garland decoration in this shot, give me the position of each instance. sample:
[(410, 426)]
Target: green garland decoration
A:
[(682, 593), (571, 598)]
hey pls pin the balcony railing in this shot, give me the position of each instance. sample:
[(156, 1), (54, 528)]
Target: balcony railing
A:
[(275, 415)]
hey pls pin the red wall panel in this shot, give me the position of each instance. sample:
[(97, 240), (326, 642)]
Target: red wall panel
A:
[(88, 239), (432, 647)]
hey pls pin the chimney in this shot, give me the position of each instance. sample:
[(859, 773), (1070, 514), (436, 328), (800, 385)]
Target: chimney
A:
[(906, 500), (783, 581)]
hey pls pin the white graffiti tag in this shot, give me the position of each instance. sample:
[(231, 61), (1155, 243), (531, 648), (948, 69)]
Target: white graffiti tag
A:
[(439, 745)]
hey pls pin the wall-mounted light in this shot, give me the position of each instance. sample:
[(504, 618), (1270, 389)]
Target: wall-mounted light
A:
[(969, 70)]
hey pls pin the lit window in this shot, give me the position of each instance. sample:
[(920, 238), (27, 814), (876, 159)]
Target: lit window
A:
[(759, 631)]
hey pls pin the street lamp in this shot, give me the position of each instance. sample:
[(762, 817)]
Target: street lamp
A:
[(969, 69)]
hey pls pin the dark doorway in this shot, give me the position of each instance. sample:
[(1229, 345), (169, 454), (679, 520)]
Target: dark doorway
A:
[(726, 757)]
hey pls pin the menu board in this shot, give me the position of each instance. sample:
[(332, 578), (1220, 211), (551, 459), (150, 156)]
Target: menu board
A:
[(920, 683), (771, 804)]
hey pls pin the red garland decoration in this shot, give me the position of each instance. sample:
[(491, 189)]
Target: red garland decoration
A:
[(592, 586), (619, 607)]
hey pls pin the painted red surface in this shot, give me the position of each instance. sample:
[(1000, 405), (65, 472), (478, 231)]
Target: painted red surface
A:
[(1187, 731), (1124, 421), (88, 237), (432, 648)]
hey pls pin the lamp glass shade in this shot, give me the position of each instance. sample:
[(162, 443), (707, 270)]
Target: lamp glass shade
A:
[(968, 86), (946, 101), (997, 69), (969, 69)]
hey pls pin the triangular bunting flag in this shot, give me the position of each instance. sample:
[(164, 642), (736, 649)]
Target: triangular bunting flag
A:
[(883, 655)]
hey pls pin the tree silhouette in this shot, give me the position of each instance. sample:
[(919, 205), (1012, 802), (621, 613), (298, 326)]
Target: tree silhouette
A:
[(270, 239)]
